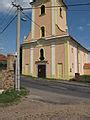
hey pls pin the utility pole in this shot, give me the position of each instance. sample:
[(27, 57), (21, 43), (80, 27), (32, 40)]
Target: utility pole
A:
[(17, 68)]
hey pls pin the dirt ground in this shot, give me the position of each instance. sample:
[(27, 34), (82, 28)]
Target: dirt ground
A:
[(33, 108)]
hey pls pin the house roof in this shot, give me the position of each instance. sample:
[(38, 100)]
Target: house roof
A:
[(87, 66), (3, 57), (78, 43)]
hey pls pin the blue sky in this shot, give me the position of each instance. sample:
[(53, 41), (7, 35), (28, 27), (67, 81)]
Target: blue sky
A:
[(78, 24)]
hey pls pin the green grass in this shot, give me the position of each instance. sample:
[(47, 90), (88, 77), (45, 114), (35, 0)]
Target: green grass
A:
[(11, 96), (85, 78)]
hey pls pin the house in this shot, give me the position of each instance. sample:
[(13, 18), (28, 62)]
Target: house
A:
[(49, 51), (87, 68)]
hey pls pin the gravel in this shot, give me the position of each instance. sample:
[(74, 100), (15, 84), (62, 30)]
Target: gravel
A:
[(35, 109)]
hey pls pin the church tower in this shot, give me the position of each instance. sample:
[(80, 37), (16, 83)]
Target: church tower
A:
[(49, 19)]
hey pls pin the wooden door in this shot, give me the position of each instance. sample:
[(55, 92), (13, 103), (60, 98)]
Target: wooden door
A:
[(42, 71)]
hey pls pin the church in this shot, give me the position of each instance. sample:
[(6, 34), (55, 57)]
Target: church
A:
[(49, 51)]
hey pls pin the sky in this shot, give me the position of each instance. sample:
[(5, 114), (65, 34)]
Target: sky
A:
[(78, 21)]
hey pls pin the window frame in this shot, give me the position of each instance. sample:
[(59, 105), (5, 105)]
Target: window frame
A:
[(42, 31), (60, 10), (41, 54), (42, 13)]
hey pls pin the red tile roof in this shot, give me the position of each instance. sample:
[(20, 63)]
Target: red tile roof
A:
[(3, 57), (87, 66)]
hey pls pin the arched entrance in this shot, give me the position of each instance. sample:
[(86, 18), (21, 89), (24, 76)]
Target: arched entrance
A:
[(42, 70)]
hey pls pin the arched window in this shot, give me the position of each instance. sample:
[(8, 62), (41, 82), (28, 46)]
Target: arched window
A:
[(42, 9), (60, 12), (41, 54), (42, 31)]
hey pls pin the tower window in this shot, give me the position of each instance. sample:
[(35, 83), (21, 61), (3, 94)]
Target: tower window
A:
[(41, 54), (34, 0), (72, 50), (60, 12), (42, 9), (42, 31)]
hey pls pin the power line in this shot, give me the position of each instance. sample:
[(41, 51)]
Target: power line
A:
[(69, 5), (8, 24), (5, 18), (78, 10), (34, 22)]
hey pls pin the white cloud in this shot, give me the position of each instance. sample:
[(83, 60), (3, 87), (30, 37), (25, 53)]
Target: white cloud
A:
[(81, 28), (5, 4)]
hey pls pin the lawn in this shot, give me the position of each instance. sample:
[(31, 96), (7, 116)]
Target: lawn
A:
[(12, 96), (85, 78)]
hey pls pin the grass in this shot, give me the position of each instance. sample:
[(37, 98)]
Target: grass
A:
[(12, 96), (85, 78)]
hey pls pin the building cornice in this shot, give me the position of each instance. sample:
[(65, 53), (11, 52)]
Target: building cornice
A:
[(54, 39)]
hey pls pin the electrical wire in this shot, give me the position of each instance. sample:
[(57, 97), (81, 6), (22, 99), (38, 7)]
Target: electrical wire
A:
[(5, 17), (34, 22), (8, 24), (69, 5)]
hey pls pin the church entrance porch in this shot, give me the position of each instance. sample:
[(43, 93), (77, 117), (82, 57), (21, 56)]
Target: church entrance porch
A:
[(42, 71)]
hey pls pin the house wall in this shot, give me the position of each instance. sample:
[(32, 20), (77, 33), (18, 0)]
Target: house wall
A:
[(53, 23), (47, 54), (48, 58), (87, 71), (26, 61), (66, 54), (35, 58), (60, 20), (42, 20), (60, 58), (78, 57), (73, 59), (83, 58)]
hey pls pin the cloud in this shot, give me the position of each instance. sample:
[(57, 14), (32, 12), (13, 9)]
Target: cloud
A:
[(88, 24), (6, 4), (81, 28)]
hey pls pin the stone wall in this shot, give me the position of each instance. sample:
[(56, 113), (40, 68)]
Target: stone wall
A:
[(10, 62), (7, 80)]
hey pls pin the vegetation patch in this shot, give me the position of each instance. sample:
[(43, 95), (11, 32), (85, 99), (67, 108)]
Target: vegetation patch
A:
[(85, 78), (11, 96)]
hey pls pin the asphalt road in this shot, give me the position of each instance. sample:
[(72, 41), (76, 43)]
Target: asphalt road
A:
[(56, 92)]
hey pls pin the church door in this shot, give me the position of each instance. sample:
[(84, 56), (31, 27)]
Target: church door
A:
[(42, 71)]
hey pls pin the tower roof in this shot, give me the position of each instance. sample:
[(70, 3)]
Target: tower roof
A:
[(35, 1)]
